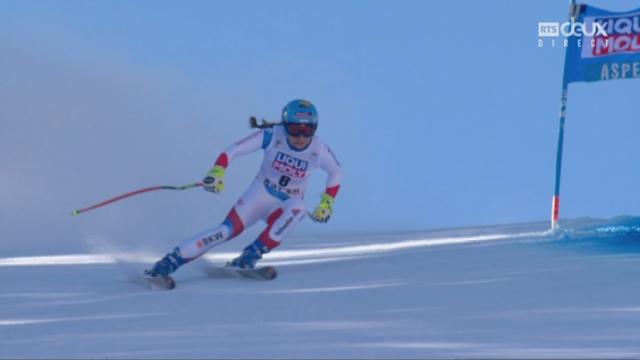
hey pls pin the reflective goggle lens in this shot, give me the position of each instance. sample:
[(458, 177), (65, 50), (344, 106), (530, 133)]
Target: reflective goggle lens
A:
[(305, 130)]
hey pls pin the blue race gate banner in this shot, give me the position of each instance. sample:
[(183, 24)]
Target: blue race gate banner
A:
[(606, 46)]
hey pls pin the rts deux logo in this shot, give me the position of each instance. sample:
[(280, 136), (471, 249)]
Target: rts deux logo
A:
[(567, 29), (570, 28)]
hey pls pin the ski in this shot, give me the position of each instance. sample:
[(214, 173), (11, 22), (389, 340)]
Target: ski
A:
[(159, 282), (260, 273)]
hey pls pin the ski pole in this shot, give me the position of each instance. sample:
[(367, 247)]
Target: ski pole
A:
[(136, 192)]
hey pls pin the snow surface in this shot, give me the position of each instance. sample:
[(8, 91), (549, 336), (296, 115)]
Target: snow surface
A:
[(502, 291)]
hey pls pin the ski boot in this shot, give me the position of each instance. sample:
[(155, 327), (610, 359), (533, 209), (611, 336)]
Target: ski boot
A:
[(159, 273), (250, 255)]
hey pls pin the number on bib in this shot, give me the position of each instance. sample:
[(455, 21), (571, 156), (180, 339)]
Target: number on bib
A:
[(284, 180)]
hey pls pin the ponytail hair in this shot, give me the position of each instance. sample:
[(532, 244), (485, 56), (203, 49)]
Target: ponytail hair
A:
[(253, 123)]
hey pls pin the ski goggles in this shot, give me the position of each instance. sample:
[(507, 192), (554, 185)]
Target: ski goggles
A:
[(295, 130)]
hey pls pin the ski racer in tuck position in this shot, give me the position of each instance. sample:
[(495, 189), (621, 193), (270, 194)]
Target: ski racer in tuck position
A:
[(291, 153)]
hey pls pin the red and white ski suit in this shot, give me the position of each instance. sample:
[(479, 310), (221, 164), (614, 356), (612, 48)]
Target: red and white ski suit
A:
[(275, 195)]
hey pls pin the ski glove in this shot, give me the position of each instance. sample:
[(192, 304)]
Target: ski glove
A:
[(213, 181), (323, 212)]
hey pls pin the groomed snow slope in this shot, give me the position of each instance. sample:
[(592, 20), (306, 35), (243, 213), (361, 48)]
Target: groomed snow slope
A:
[(503, 291)]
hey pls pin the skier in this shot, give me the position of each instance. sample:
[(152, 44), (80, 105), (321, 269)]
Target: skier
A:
[(291, 153)]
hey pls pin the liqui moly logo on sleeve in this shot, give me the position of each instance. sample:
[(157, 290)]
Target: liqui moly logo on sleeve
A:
[(290, 165), (622, 36)]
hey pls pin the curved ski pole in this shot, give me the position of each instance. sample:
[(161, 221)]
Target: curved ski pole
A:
[(136, 192)]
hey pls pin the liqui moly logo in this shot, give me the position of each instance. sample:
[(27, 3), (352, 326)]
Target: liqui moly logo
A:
[(622, 36), (290, 165)]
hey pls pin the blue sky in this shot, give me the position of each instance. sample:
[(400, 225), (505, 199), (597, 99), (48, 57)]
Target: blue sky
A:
[(442, 113)]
